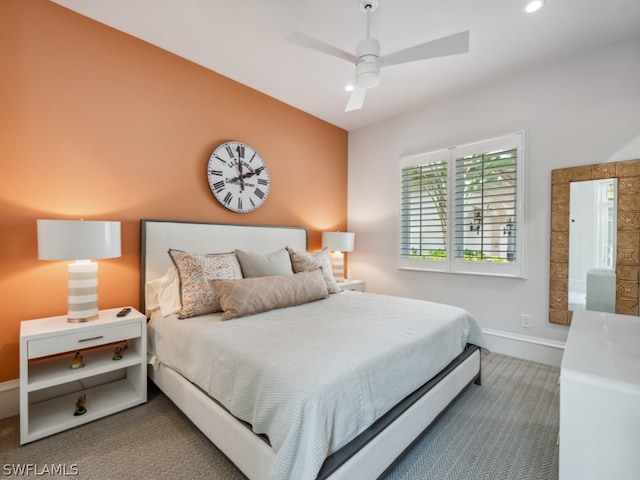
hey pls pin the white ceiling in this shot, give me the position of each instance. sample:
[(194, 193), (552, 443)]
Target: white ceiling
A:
[(243, 40)]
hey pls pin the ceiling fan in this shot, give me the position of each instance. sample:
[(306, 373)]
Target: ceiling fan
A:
[(368, 60)]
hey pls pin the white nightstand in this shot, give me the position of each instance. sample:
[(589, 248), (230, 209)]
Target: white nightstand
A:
[(49, 387), (353, 285)]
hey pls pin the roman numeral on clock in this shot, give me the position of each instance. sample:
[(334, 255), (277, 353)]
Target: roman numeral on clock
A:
[(228, 198), (259, 193), (216, 172), (262, 181), (219, 186)]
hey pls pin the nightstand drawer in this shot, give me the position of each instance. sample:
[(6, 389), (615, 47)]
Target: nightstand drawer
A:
[(83, 339)]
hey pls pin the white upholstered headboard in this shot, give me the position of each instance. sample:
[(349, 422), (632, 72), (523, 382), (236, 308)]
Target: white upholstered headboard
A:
[(158, 236)]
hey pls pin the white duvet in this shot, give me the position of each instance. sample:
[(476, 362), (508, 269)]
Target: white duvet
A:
[(313, 376)]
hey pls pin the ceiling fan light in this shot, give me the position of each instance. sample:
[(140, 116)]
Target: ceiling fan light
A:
[(368, 78), (367, 74), (533, 6)]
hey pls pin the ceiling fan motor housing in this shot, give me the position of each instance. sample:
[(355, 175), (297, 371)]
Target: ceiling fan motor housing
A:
[(368, 67)]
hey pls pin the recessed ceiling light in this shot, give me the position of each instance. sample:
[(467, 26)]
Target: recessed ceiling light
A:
[(533, 6), (349, 88)]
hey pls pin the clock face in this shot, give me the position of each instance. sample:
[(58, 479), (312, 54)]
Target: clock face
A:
[(238, 177)]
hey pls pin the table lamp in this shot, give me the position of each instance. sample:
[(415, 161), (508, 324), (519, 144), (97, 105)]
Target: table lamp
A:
[(338, 242), (81, 241)]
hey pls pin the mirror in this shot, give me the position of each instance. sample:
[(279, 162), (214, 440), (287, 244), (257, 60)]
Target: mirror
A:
[(592, 245), (614, 262)]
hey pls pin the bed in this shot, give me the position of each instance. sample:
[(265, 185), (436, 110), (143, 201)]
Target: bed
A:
[(334, 386)]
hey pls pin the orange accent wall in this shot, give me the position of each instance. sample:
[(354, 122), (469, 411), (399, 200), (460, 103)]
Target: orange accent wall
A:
[(99, 125)]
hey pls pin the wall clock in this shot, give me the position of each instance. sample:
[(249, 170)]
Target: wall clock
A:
[(238, 177)]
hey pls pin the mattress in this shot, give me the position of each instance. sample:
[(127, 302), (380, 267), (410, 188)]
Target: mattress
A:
[(312, 377)]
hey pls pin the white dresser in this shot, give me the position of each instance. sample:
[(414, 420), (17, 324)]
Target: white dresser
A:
[(600, 398)]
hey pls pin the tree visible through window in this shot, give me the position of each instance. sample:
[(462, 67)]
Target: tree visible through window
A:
[(462, 206), (424, 211)]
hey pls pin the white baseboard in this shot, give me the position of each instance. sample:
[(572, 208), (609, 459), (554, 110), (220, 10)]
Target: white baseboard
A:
[(9, 398), (535, 349)]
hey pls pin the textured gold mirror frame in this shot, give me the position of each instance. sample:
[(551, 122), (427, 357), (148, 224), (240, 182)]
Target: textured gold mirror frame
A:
[(628, 243)]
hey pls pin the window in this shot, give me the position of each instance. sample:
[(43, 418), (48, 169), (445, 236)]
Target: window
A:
[(461, 208)]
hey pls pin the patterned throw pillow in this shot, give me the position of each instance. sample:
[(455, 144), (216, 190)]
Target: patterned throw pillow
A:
[(196, 272), (307, 261), (260, 294)]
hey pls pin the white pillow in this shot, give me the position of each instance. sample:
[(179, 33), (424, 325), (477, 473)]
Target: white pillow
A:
[(164, 293)]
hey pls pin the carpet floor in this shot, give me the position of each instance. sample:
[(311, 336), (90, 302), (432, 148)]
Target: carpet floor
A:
[(505, 429)]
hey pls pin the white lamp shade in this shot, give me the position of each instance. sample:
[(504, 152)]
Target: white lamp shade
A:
[(81, 241), (78, 239), (338, 241)]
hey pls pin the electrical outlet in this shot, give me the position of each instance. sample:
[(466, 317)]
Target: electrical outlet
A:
[(525, 320)]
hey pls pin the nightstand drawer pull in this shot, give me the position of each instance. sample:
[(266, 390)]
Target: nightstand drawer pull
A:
[(89, 339)]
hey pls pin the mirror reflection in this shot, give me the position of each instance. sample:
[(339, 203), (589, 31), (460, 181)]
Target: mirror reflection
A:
[(592, 245)]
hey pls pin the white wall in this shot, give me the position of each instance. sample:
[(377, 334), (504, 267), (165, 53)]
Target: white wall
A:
[(583, 111)]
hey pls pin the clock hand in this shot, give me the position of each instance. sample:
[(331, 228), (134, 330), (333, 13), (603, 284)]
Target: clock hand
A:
[(257, 171), (240, 176)]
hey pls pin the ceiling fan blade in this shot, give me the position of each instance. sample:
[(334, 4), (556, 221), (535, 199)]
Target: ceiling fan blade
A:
[(356, 100), (452, 45), (305, 41)]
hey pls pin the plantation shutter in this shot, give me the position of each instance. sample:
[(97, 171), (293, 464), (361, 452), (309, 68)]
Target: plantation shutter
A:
[(424, 192), (461, 209), (486, 206)]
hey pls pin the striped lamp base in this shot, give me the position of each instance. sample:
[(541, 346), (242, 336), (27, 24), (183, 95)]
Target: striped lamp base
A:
[(337, 266), (83, 291)]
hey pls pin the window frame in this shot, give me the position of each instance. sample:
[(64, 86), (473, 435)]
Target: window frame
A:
[(515, 269)]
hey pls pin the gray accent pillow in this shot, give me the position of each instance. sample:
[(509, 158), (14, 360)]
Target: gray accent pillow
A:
[(257, 265)]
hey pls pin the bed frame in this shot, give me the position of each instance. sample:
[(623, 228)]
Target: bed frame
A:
[(370, 455)]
